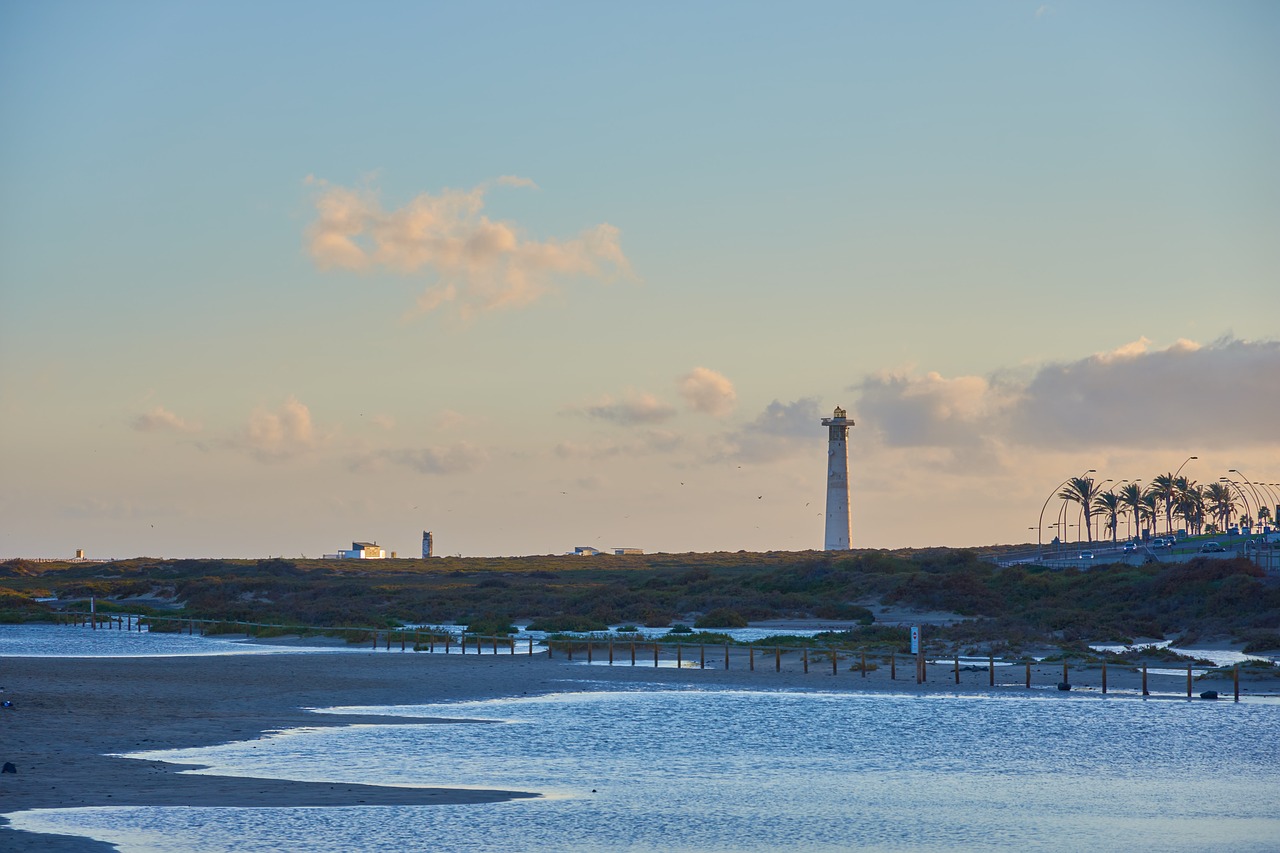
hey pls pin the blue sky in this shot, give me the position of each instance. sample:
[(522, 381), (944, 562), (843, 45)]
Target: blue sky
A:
[(219, 224)]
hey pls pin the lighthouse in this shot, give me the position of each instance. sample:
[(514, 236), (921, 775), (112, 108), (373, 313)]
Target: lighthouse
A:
[(837, 537)]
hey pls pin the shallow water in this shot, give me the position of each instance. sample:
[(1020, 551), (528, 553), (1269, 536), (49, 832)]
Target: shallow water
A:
[(684, 770), (73, 641)]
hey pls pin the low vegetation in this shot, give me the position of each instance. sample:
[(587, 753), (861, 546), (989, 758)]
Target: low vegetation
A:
[(1004, 608)]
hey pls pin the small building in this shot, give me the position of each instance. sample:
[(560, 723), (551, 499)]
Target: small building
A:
[(363, 551), (621, 551), (585, 551)]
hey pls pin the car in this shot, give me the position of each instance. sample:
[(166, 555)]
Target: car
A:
[(1211, 548), (1130, 546), (1085, 555)]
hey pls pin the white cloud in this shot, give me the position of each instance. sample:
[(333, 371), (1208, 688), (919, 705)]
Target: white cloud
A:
[(283, 434), (709, 392), (634, 408), (1222, 394), (476, 263), (160, 419)]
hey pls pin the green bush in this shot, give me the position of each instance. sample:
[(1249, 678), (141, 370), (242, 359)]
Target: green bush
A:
[(721, 617)]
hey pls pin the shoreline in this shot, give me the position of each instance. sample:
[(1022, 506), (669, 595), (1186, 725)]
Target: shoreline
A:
[(71, 715)]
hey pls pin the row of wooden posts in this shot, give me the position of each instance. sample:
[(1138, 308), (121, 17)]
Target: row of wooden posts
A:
[(446, 640)]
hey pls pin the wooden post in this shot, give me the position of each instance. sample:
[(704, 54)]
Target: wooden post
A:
[(633, 652), (702, 657), (1028, 675), (957, 669), (751, 659), (531, 647), (726, 655), (590, 656), (679, 655), (463, 645), (611, 651), (777, 659), (893, 666), (402, 641), (864, 663), (1235, 681), (655, 654), (1065, 678), (495, 644), (447, 638), (388, 641), (806, 661), (991, 670), (1188, 681), (1144, 680), (1104, 678), (834, 671), (569, 646)]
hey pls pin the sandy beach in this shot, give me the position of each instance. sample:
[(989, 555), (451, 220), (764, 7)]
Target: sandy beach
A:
[(69, 713)]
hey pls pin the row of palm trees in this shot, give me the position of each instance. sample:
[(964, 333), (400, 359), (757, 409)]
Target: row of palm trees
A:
[(1197, 507)]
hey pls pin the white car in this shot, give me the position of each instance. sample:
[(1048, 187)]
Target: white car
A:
[(1085, 555), (1129, 547)]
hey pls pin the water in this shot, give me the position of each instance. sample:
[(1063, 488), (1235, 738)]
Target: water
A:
[(72, 641), (701, 770)]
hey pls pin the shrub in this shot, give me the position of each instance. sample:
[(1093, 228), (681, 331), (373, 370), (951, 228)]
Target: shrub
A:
[(721, 617)]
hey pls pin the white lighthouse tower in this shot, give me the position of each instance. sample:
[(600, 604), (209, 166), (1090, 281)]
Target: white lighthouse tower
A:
[(838, 528)]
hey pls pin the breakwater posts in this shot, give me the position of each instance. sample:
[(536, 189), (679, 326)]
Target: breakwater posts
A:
[(864, 661)]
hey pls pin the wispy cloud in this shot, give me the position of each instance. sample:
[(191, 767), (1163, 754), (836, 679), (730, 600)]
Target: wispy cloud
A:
[(476, 263), (648, 441), (160, 419), (709, 392), (461, 458), (635, 407)]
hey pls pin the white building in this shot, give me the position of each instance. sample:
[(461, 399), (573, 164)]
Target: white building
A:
[(363, 551)]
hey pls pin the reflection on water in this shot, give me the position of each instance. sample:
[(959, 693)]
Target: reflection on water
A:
[(661, 769), (73, 641)]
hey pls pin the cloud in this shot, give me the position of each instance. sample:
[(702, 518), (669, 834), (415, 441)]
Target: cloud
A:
[(709, 392), (461, 458), (1221, 394), (160, 419), (279, 435), (1186, 395), (930, 410), (633, 409), (782, 430), (476, 263), (649, 441)]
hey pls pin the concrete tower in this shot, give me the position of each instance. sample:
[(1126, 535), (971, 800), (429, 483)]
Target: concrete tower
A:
[(837, 538), (427, 544)]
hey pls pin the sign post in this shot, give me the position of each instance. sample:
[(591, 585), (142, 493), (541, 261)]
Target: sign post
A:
[(917, 649)]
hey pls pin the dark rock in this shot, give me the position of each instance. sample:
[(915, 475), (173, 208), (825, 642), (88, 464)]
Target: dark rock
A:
[(1209, 694), (9, 768), (1062, 685)]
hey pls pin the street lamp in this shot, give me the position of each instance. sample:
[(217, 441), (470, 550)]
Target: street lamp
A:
[(1183, 465), (1251, 488), (1241, 493), (1040, 523)]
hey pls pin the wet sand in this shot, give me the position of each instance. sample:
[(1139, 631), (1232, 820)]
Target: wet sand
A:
[(70, 713)]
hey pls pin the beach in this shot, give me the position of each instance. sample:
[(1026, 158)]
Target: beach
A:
[(69, 714)]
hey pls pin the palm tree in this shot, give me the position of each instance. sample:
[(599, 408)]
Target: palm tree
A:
[(1110, 504), (1131, 497), (1082, 490), (1150, 509), (1165, 487), (1221, 503), (1190, 505)]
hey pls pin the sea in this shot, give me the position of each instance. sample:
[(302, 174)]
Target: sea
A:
[(652, 768)]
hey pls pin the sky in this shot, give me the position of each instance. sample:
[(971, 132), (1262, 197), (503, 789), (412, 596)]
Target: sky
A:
[(279, 277)]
